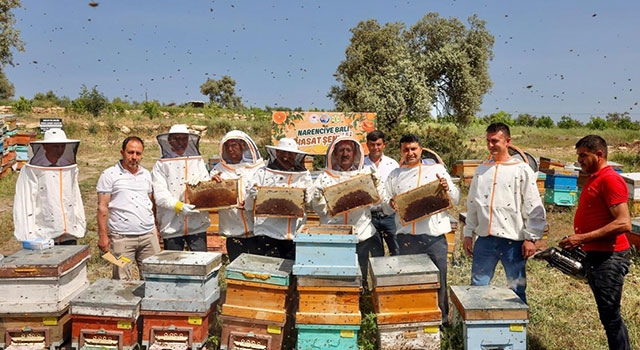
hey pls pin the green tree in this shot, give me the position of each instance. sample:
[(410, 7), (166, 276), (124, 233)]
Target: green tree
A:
[(544, 122), (621, 121), (91, 101), (222, 92), (499, 117), (9, 39), (400, 73), (526, 119), (567, 122), (596, 123)]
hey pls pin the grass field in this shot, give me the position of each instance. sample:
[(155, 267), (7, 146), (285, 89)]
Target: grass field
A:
[(562, 311)]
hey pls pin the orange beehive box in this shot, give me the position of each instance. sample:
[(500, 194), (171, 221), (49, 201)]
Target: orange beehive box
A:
[(215, 222), (244, 333), (165, 328), (44, 331), (254, 300), (105, 331), (328, 305), (406, 303)]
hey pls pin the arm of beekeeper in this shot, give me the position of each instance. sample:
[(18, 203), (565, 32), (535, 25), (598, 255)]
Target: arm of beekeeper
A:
[(315, 194), (471, 221), (533, 213), (453, 191), (251, 189), (104, 243), (24, 204), (164, 198), (81, 228), (388, 194)]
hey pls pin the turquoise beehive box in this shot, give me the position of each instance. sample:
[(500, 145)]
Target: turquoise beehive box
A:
[(326, 250)]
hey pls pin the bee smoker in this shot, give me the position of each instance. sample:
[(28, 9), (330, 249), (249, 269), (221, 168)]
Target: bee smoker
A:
[(570, 262)]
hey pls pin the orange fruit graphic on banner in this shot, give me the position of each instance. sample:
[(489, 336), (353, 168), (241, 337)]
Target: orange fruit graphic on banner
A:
[(279, 117), (368, 126)]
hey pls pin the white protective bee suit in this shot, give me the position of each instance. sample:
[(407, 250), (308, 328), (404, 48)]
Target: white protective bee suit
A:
[(47, 202)]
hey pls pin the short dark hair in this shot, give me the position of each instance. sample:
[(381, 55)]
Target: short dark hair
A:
[(131, 138), (499, 126), (375, 135), (409, 138), (593, 144)]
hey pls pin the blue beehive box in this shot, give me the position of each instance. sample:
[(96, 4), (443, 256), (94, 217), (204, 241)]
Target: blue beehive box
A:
[(561, 182), (492, 317), (263, 269), (322, 336), (567, 198), (326, 250)]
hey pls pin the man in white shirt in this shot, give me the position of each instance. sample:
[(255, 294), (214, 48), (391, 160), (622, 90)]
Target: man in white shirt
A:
[(126, 223), (385, 224)]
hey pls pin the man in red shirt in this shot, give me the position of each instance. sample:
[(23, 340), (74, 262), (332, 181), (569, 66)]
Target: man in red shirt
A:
[(600, 225)]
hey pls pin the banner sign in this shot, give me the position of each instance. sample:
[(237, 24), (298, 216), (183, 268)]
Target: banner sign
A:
[(314, 131)]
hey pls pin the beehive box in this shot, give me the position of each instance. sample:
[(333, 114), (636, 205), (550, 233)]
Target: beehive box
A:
[(492, 317), (422, 202), (320, 254), (35, 331), (328, 305), (634, 207), (633, 184), (243, 333), (405, 289), (465, 168), (278, 202), (176, 330), (357, 192), (42, 281), (561, 182), (181, 281), (409, 336), (212, 195), (567, 198), (451, 236), (214, 218), (107, 314), (258, 287), (318, 337), (549, 163), (540, 182)]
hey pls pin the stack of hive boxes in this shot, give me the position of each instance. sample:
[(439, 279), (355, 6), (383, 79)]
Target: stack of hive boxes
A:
[(465, 169), (21, 142), (37, 287), (329, 285), (8, 149), (633, 186), (634, 234), (405, 300), (258, 309), (492, 317), (181, 291), (107, 315), (451, 236), (561, 187)]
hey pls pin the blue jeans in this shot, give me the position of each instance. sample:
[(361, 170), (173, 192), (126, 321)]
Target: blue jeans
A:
[(386, 229), (605, 273), (196, 242), (487, 251), (436, 248)]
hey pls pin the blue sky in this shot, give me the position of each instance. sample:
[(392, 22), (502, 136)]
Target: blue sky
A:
[(575, 57)]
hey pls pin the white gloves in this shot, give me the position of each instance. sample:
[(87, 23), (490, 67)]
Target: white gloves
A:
[(194, 179), (185, 209)]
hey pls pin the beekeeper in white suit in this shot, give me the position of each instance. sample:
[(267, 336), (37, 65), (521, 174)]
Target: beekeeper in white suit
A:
[(47, 203), (179, 223)]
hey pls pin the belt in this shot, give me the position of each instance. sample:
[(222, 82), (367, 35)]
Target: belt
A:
[(378, 214)]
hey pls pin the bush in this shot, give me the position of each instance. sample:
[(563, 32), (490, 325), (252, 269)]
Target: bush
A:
[(22, 105), (93, 102), (545, 122), (596, 123), (151, 109), (526, 120), (567, 122)]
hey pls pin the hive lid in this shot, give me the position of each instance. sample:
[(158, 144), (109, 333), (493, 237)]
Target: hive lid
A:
[(403, 270), (263, 269), (488, 303), (631, 178), (171, 262), (111, 293), (52, 262)]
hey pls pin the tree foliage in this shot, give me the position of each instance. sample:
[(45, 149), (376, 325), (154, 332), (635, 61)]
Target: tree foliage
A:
[(596, 123), (526, 119), (567, 122), (222, 92), (401, 73), (545, 122), (9, 39), (91, 101)]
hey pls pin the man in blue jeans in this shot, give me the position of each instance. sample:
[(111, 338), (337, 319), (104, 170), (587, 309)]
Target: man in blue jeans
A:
[(505, 212), (385, 224), (601, 225)]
